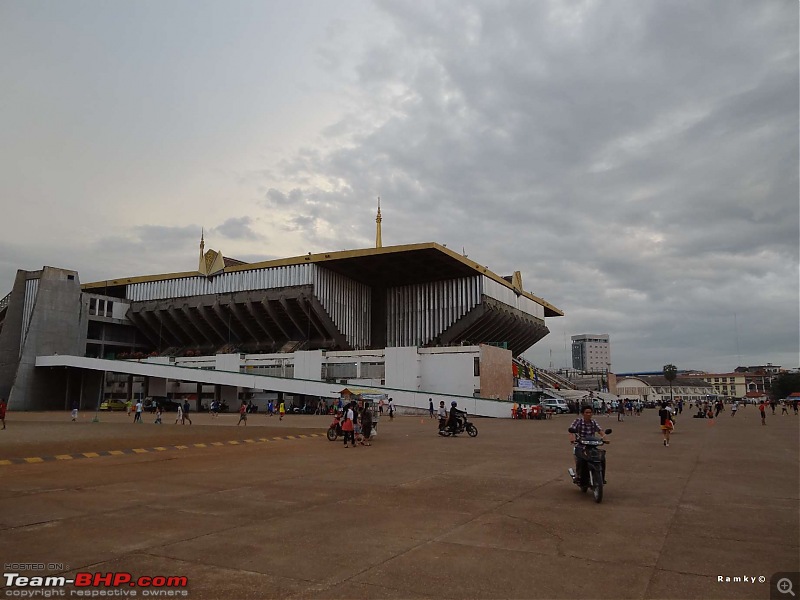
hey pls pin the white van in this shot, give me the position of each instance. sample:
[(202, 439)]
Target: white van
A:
[(558, 405)]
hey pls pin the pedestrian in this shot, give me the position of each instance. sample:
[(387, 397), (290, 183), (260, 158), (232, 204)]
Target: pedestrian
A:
[(281, 410), (442, 414), (430, 407), (214, 408), (179, 419), (242, 414), (734, 408), (347, 426), (75, 410), (763, 408), (186, 412), (3, 407), (666, 422), (271, 408), (773, 404), (620, 412), (391, 410), (137, 412), (366, 426), (380, 406), (784, 409), (129, 406), (158, 416)]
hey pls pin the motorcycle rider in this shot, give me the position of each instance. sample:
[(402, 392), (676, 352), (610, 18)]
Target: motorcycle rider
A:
[(456, 419), (585, 426)]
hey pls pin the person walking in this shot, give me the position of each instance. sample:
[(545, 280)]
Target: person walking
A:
[(430, 407), (271, 408), (621, 412), (242, 414), (442, 414), (763, 408), (75, 410), (158, 416), (734, 408), (186, 409), (137, 417), (179, 419), (784, 409), (3, 408), (281, 410), (366, 426), (666, 422), (348, 427), (391, 410)]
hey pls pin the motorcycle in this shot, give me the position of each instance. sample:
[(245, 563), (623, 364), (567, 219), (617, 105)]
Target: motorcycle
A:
[(591, 456), (335, 428), (462, 426)]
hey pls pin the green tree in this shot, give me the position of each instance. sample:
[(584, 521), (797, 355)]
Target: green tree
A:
[(784, 384), (670, 373)]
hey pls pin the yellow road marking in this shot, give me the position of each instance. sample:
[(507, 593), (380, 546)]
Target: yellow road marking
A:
[(140, 450), (63, 457), (5, 462), (181, 447), (217, 444), (249, 441), (200, 446), (34, 459), (90, 454), (234, 442), (115, 452), (159, 448)]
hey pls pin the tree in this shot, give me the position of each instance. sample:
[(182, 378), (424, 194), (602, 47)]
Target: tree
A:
[(670, 373), (784, 384)]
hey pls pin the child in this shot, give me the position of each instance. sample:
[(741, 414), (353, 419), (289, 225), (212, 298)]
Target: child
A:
[(158, 416)]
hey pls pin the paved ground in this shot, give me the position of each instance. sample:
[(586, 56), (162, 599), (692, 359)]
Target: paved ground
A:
[(414, 516)]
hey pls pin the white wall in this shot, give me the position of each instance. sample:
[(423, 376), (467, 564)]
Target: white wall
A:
[(308, 364), (448, 373), (403, 368)]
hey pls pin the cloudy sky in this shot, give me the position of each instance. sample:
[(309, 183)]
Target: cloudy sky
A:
[(636, 160)]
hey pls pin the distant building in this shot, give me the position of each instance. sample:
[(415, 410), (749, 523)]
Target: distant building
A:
[(731, 385), (655, 388), (591, 352)]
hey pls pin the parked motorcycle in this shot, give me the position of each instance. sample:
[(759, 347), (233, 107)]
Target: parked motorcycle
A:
[(462, 426), (591, 460), (335, 428)]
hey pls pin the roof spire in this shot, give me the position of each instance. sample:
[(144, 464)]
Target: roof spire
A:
[(378, 242)]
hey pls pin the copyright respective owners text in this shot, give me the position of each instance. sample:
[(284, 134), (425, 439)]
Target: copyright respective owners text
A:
[(36, 580)]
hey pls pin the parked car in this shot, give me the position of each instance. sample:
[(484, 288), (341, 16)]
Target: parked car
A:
[(554, 404), (113, 405)]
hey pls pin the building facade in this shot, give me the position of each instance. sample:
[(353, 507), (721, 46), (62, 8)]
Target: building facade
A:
[(591, 352), (420, 296)]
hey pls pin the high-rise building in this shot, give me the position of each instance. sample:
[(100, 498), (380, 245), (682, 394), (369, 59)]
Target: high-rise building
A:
[(591, 352)]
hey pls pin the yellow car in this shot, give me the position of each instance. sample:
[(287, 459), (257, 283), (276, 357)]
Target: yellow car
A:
[(113, 405)]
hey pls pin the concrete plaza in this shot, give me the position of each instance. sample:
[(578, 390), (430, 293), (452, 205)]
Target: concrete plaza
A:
[(277, 515)]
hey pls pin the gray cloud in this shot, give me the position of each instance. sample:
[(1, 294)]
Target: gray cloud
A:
[(637, 160), (237, 228)]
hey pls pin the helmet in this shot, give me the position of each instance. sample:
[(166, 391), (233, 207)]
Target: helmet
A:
[(454, 403)]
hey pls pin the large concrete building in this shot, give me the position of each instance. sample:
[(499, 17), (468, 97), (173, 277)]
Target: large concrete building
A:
[(591, 352), (420, 296)]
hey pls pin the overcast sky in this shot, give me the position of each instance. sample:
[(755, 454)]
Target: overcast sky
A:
[(636, 160)]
